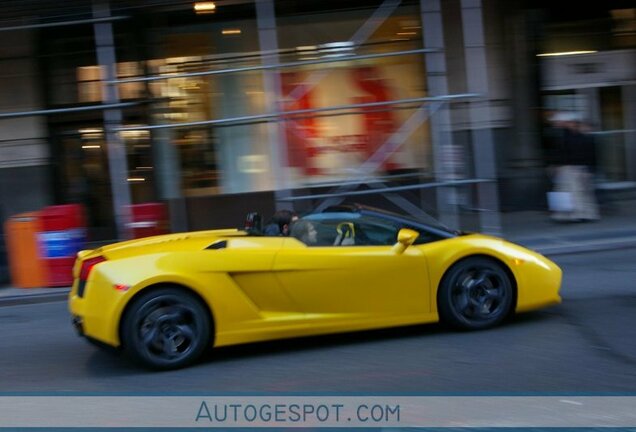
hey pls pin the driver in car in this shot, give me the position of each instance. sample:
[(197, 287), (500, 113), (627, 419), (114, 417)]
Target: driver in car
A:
[(305, 231)]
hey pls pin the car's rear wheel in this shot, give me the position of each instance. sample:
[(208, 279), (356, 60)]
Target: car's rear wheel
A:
[(475, 293), (166, 328)]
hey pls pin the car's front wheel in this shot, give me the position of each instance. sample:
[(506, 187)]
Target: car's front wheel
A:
[(475, 293), (166, 328)]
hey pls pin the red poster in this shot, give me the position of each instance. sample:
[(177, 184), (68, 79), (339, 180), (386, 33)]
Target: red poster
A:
[(299, 130), (378, 121)]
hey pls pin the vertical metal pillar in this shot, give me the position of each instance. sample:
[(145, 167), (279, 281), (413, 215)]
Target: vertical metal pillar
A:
[(592, 112), (117, 162), (441, 131), (628, 93), (480, 116), (168, 176), (268, 39)]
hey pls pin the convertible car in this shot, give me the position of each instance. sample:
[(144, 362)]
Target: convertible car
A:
[(167, 299)]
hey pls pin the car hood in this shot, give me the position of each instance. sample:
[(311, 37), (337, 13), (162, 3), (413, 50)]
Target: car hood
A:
[(187, 241)]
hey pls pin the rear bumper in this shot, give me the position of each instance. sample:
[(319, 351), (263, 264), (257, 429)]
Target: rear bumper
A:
[(78, 325), (93, 318)]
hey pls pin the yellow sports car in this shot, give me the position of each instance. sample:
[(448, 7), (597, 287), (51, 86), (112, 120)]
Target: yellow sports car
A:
[(166, 299)]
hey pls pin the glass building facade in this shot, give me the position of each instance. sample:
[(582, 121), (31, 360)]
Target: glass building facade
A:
[(247, 100)]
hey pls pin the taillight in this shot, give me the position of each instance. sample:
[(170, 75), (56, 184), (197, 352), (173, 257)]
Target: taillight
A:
[(88, 265)]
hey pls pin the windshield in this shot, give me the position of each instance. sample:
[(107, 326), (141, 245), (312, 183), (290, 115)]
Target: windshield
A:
[(350, 228), (423, 217)]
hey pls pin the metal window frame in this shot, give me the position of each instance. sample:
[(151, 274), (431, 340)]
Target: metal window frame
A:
[(64, 23), (98, 107), (431, 185), (442, 135), (344, 58), (284, 115), (102, 21)]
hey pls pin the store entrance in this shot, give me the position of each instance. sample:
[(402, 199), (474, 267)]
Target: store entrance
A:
[(601, 113), (82, 173)]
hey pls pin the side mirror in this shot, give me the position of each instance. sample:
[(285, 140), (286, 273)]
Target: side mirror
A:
[(406, 237)]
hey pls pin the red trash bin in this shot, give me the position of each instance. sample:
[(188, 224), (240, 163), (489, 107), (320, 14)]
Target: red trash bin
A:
[(148, 219), (63, 235)]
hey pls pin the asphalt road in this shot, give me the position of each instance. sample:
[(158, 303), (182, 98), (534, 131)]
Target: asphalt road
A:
[(584, 345)]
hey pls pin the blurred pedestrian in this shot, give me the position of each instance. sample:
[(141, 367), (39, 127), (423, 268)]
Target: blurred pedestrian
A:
[(280, 223), (571, 160)]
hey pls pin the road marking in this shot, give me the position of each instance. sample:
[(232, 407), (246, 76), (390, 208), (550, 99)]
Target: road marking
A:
[(570, 402)]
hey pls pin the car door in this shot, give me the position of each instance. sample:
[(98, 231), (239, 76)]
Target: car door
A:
[(353, 281)]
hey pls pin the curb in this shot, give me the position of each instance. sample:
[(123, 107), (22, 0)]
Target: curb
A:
[(12, 300), (571, 249)]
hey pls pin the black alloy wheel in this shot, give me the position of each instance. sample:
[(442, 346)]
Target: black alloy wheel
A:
[(475, 293), (166, 328)]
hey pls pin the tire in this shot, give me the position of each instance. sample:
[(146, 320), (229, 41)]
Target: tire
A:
[(475, 293), (166, 328)]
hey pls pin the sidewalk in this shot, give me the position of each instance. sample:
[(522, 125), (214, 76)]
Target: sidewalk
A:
[(533, 229), (10, 296)]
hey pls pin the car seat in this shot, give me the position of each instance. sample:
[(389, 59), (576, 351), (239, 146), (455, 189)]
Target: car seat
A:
[(346, 234)]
